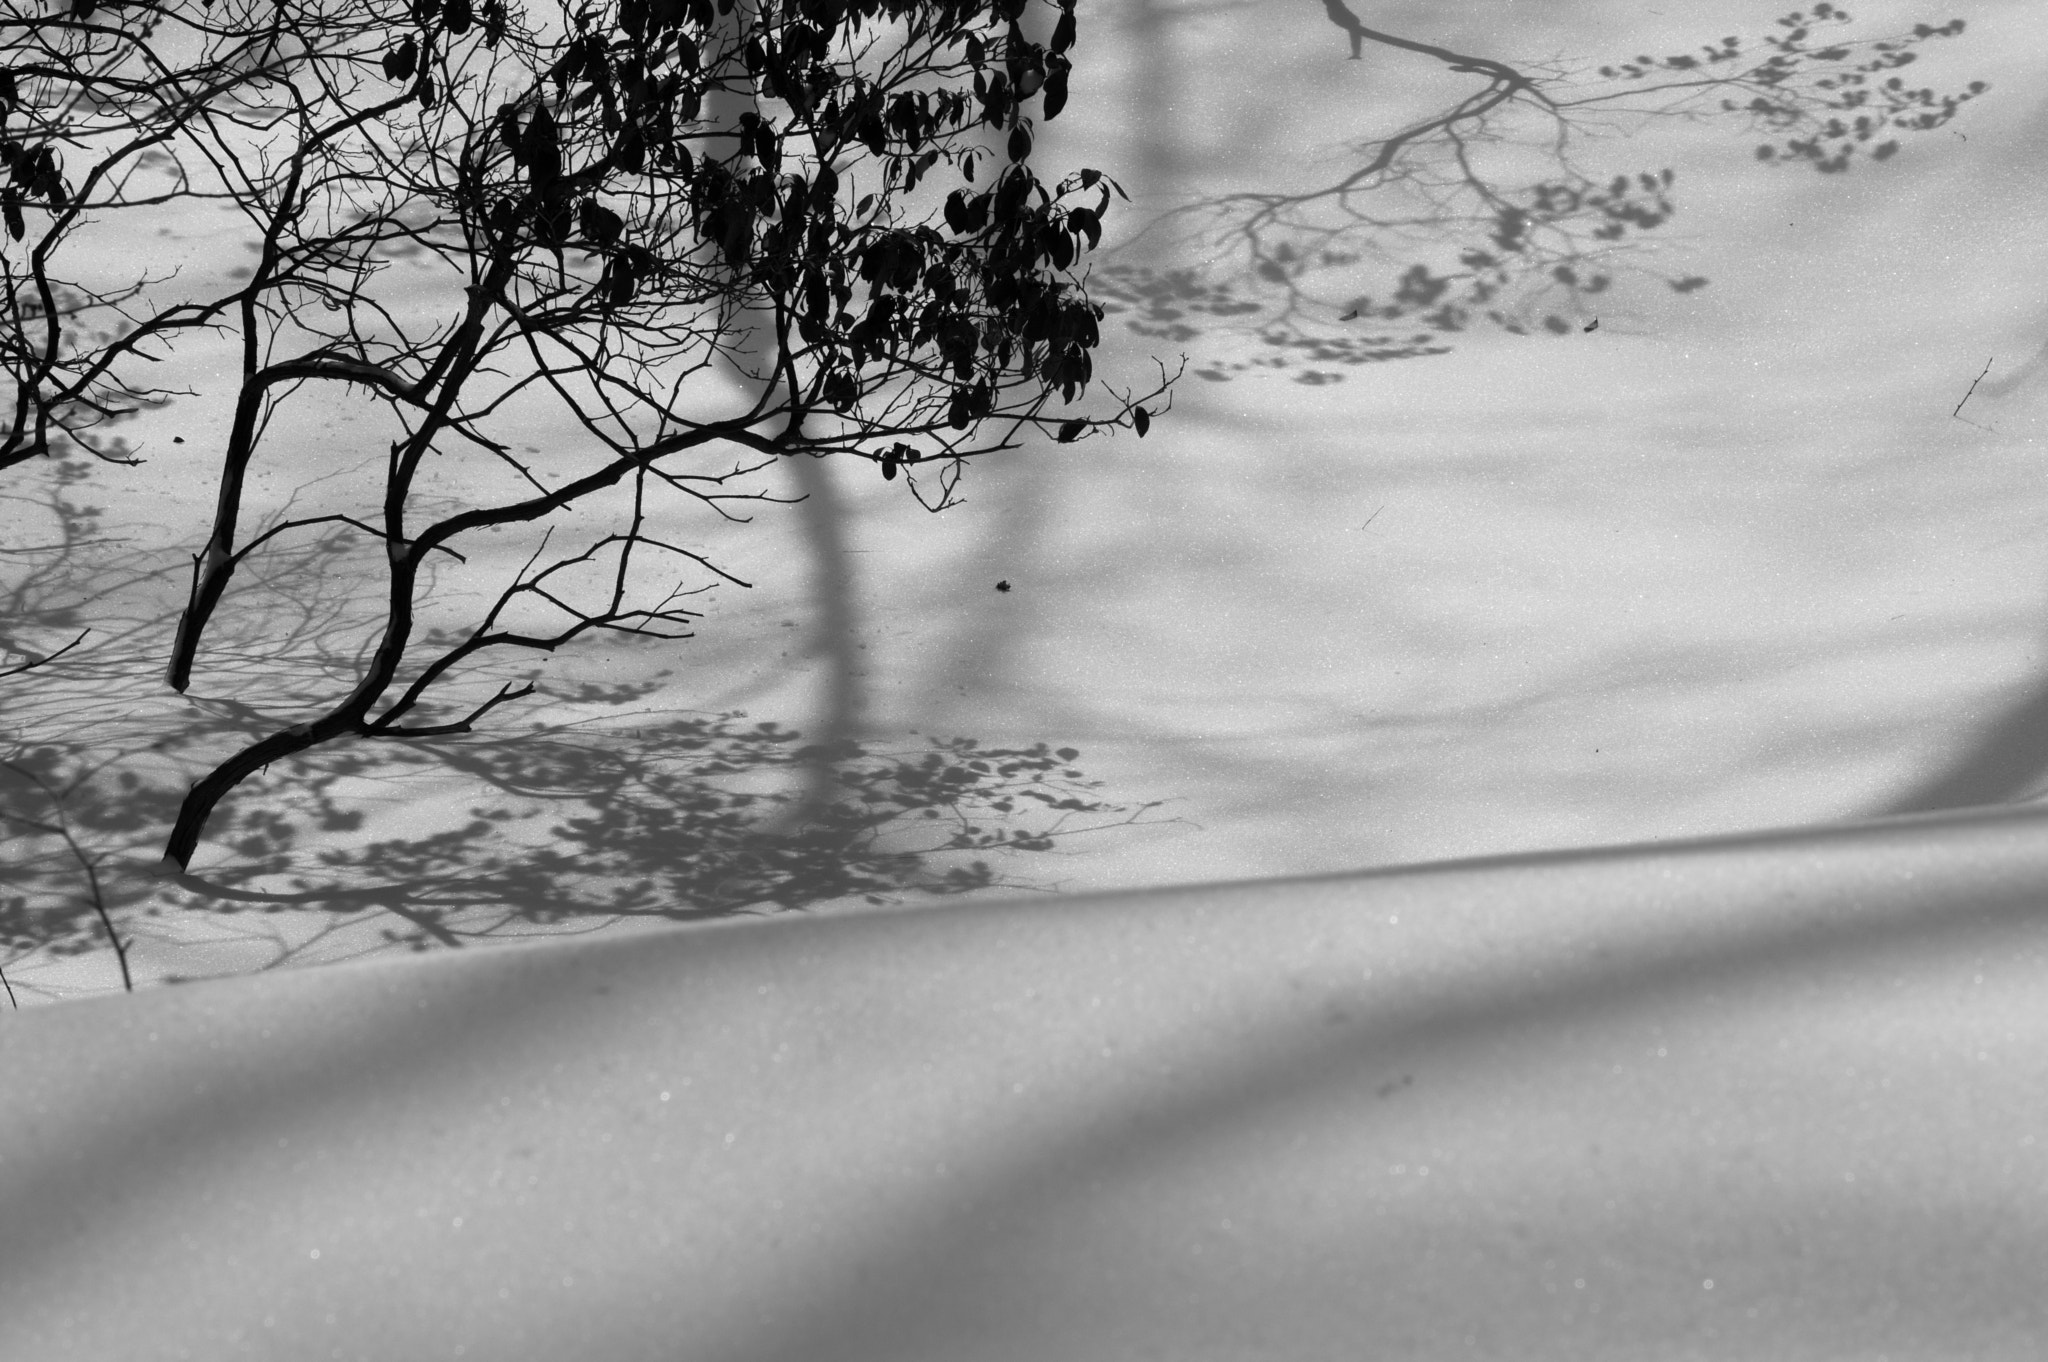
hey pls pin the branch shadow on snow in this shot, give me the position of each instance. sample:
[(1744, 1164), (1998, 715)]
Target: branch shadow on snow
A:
[(674, 822), (374, 845), (1489, 209)]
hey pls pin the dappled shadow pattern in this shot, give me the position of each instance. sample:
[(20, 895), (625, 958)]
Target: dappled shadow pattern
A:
[(675, 822), (574, 826), (1441, 206), (1535, 261), (564, 828), (1171, 305)]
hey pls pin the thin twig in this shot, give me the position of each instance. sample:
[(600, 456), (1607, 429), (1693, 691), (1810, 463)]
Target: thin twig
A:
[(99, 905), (1973, 386), (37, 662)]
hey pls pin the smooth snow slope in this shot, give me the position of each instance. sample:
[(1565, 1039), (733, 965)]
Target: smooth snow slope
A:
[(1776, 1097)]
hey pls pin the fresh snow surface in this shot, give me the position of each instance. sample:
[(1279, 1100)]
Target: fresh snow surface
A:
[(1733, 561), (1772, 1097)]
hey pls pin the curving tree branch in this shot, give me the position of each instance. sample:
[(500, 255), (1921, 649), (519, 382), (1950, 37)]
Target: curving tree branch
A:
[(488, 225)]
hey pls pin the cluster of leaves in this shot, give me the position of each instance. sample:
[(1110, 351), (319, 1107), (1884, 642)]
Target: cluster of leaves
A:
[(31, 165), (596, 152), (859, 299)]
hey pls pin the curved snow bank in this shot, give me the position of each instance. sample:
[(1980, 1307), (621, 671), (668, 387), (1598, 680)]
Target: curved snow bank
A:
[(1776, 1096)]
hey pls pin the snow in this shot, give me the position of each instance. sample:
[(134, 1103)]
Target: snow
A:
[(1768, 1096), (1734, 561)]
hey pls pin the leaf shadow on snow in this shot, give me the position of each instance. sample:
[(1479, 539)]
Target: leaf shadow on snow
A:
[(673, 822), (410, 844)]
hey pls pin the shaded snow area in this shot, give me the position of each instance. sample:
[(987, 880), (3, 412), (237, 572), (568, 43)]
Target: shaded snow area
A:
[(1276, 997), (1770, 1098)]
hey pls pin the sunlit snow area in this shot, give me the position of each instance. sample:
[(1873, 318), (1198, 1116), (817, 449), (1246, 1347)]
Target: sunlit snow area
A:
[(1732, 560), (1761, 554)]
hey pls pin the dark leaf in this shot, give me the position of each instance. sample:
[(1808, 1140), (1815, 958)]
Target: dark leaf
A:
[(823, 189), (1086, 222), (1063, 31), (1070, 431), (1055, 94), (1060, 247), (600, 224), (1141, 421), (1020, 142), (399, 64), (48, 182), (507, 124), (958, 216), (551, 222), (540, 147), (619, 279)]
